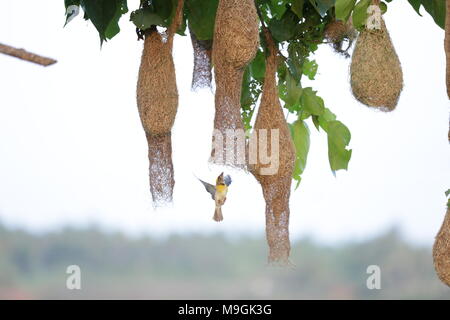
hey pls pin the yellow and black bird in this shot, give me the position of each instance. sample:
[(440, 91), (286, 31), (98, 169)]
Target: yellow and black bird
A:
[(218, 193)]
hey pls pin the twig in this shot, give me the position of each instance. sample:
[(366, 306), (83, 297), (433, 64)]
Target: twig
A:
[(25, 55)]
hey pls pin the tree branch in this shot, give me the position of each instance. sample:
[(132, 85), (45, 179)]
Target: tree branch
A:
[(25, 55)]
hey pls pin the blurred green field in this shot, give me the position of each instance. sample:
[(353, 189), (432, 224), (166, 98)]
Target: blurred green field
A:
[(208, 267)]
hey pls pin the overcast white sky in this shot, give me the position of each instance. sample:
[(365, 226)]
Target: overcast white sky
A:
[(73, 152)]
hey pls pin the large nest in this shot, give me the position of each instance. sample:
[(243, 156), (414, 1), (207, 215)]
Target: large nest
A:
[(157, 92), (441, 250), (276, 184), (235, 43), (376, 74), (157, 100)]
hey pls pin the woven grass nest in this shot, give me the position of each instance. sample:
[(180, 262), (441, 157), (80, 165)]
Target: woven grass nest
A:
[(376, 75), (441, 250), (157, 101), (235, 43), (276, 186)]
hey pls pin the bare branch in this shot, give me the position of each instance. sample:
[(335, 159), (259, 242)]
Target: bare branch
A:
[(25, 55)]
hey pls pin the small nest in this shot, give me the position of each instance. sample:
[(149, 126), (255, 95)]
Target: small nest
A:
[(340, 36), (375, 73), (441, 251), (201, 76), (236, 40), (276, 184)]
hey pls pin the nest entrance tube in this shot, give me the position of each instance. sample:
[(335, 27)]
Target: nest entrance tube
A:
[(161, 167), (275, 178), (277, 220), (202, 74), (157, 100), (235, 43), (376, 76)]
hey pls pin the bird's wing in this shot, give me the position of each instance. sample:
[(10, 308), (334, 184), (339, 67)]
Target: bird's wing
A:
[(227, 180), (209, 187)]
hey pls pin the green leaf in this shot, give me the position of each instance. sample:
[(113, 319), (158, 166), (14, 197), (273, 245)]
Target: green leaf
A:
[(383, 7), (164, 8), (316, 122), (113, 27), (201, 15), (311, 102), (285, 28), (326, 116), (294, 67), (278, 8), (105, 15), (310, 68), (416, 5), (300, 136), (322, 6), (447, 194), (338, 139), (293, 91), (258, 66), (343, 9), (297, 7), (144, 18), (359, 15), (246, 96), (437, 9)]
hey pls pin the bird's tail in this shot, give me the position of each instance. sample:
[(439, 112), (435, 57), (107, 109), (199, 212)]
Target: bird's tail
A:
[(218, 214)]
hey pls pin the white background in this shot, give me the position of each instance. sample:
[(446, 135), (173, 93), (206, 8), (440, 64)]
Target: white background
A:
[(73, 152)]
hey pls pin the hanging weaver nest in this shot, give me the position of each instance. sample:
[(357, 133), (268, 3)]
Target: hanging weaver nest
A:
[(201, 76), (441, 250), (276, 185), (340, 36), (376, 76), (235, 43), (157, 100)]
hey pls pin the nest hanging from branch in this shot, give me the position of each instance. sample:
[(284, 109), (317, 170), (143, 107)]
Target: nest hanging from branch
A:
[(157, 100), (276, 184), (235, 43), (375, 72)]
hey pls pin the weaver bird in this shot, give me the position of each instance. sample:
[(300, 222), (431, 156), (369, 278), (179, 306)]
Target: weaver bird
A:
[(218, 193)]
